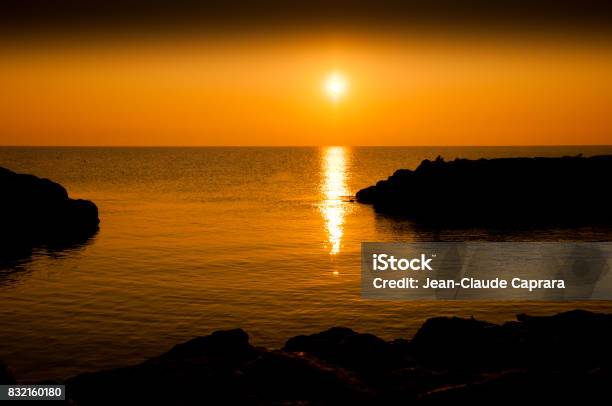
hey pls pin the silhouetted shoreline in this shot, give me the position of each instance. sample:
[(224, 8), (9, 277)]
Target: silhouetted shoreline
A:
[(550, 358), (37, 212), (503, 191)]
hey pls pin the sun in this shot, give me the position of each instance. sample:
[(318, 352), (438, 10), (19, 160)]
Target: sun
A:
[(335, 86)]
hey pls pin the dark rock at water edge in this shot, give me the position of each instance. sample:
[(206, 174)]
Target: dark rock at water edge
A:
[(36, 211), (219, 368), (567, 190), (566, 357)]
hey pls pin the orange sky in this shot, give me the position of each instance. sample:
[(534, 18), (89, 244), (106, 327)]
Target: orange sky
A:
[(264, 91)]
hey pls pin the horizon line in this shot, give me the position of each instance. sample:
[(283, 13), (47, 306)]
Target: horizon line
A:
[(311, 146)]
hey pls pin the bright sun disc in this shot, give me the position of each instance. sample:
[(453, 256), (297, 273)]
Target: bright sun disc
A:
[(335, 86)]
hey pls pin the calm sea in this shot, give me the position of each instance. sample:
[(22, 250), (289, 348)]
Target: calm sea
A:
[(194, 240)]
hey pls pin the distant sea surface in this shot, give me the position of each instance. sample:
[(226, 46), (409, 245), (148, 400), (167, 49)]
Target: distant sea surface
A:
[(194, 240)]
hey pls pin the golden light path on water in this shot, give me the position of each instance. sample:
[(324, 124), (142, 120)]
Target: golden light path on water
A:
[(334, 189)]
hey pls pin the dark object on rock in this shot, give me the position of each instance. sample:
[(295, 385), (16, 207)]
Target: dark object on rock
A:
[(568, 190), (35, 211)]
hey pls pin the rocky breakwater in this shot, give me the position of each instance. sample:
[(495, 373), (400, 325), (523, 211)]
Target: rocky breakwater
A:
[(561, 358), (513, 191), (38, 212)]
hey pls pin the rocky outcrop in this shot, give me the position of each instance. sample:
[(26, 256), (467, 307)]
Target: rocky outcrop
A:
[(364, 353), (547, 359), (35, 211), (514, 191), (222, 368)]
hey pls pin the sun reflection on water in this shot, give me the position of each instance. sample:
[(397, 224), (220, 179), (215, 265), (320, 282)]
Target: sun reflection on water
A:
[(334, 190)]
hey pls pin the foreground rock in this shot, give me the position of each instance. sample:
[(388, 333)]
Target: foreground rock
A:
[(35, 211), (547, 359), (568, 190), (222, 368)]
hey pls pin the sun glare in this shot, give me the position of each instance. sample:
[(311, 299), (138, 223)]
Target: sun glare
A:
[(334, 189), (335, 86)]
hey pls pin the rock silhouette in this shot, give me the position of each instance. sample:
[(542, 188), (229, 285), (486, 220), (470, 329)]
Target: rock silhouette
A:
[(546, 358), (504, 191), (222, 367), (36, 212)]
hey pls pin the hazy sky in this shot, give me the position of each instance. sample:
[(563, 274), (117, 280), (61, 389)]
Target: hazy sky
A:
[(244, 84)]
